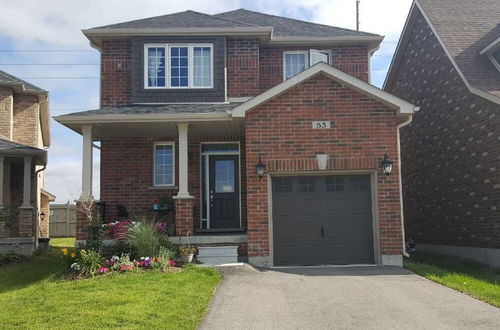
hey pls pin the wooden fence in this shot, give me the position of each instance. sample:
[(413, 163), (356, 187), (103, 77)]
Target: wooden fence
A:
[(62, 221)]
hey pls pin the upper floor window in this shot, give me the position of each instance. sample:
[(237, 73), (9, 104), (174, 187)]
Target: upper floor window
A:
[(178, 66), (295, 62)]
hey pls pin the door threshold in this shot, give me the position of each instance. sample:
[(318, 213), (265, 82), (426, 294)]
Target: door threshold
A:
[(326, 266)]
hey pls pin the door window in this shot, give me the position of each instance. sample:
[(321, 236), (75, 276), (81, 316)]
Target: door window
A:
[(224, 176)]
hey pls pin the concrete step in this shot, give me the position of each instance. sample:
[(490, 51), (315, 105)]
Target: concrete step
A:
[(217, 255)]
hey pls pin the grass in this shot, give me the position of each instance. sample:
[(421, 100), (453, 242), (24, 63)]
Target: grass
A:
[(33, 295), (62, 241), (476, 280)]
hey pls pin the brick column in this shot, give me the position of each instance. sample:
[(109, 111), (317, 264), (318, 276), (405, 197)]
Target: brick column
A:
[(26, 222), (184, 223)]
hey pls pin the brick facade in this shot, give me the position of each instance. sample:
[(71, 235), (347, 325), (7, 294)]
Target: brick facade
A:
[(450, 152), (6, 100), (116, 72), (280, 132), (26, 119), (242, 67)]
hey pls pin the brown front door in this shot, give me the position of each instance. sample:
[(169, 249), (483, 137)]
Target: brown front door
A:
[(224, 194)]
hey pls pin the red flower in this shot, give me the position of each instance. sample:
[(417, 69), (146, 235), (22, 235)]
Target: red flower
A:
[(171, 263)]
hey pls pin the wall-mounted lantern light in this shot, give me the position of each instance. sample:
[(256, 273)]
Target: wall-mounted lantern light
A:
[(386, 165), (42, 216), (260, 167)]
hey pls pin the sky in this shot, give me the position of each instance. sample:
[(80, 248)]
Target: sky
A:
[(41, 42)]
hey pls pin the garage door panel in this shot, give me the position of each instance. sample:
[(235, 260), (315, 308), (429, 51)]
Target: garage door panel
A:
[(338, 206)]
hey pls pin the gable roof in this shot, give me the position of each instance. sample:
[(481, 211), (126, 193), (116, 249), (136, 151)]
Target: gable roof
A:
[(237, 22), (403, 107), (12, 148), (288, 27), (463, 28), (20, 85)]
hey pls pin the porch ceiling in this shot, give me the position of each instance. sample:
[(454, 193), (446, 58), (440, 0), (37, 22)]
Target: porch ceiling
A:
[(110, 130)]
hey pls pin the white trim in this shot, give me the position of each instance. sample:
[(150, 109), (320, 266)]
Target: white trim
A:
[(168, 82), (491, 47), (87, 161), (494, 61), (473, 90), (238, 99), (343, 78), (128, 118), (164, 143)]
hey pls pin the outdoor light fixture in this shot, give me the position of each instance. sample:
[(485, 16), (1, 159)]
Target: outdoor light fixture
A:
[(42, 216), (386, 165), (260, 167)]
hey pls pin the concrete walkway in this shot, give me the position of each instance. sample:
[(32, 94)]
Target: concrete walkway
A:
[(342, 298)]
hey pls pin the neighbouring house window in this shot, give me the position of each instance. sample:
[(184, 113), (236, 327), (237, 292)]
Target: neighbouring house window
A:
[(164, 164), (295, 62), (178, 66)]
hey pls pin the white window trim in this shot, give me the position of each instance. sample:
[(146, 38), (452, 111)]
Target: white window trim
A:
[(495, 62), (307, 54), (172, 144), (167, 65)]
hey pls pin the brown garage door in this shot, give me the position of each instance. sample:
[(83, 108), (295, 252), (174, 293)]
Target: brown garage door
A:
[(321, 220)]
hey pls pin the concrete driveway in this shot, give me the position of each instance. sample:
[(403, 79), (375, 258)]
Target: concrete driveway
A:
[(342, 298)]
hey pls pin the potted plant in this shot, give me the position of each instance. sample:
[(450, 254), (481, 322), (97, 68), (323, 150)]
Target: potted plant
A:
[(165, 203), (187, 253)]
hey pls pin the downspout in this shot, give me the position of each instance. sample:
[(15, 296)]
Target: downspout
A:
[(403, 124)]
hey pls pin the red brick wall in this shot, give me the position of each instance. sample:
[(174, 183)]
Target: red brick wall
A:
[(362, 131), (242, 67), (116, 72), (351, 59)]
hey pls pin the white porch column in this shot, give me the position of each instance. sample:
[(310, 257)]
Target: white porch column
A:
[(183, 162), (27, 183), (87, 162), (1, 181)]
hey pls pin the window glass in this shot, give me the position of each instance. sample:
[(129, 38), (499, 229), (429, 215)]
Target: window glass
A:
[(156, 66), (295, 63), (202, 67), (282, 185), (333, 184), (306, 184), (319, 56), (164, 165), (359, 183), (224, 176), (496, 56), (179, 68)]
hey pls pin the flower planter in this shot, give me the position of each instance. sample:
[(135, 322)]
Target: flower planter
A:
[(187, 258)]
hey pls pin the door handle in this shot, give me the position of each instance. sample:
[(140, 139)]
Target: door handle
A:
[(322, 232)]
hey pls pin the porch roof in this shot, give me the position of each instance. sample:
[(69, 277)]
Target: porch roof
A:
[(11, 148), (205, 119)]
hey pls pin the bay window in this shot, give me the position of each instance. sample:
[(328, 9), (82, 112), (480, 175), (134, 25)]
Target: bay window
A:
[(178, 66)]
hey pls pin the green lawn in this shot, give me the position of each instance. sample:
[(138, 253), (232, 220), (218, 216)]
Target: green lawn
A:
[(476, 280), (62, 241), (33, 296)]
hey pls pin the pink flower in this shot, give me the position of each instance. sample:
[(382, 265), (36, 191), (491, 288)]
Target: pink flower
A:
[(103, 270), (126, 267), (171, 263)]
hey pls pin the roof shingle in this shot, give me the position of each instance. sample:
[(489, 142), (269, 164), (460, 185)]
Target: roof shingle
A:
[(10, 80)]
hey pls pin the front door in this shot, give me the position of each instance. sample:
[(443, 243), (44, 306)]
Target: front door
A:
[(224, 194)]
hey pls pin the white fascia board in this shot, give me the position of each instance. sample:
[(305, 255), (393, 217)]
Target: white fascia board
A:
[(176, 31), (126, 118), (343, 78), (491, 47)]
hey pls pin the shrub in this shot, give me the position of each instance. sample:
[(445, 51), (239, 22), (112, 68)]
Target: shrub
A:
[(10, 257), (143, 240), (87, 263)]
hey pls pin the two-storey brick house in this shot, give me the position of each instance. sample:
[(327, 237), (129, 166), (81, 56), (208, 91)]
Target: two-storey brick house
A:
[(448, 63), (24, 135), (265, 130)]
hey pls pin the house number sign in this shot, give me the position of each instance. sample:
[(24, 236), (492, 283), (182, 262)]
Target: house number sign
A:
[(321, 124)]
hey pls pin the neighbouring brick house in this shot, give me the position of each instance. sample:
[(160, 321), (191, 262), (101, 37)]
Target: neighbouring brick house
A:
[(264, 129), (448, 63), (24, 135)]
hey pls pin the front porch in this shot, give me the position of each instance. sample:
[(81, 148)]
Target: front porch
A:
[(196, 168), (19, 226)]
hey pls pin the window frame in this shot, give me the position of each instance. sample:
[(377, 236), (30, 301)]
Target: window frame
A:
[(165, 143), (307, 54), (168, 82), (493, 60)]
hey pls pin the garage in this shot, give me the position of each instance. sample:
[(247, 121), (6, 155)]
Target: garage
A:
[(320, 220)]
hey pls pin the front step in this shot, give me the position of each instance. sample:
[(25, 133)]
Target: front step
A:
[(217, 255)]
